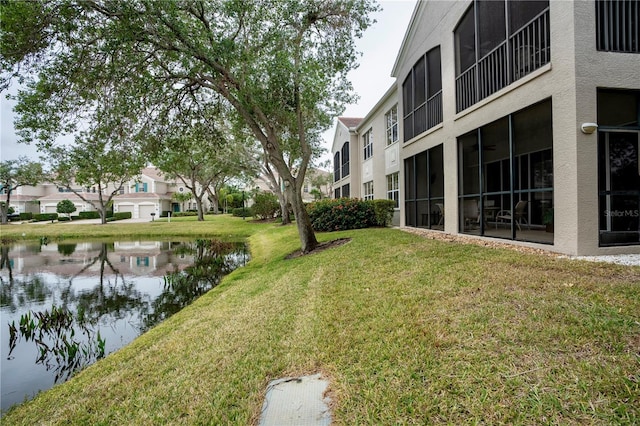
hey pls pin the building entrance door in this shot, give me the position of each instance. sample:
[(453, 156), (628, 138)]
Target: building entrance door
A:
[(619, 187)]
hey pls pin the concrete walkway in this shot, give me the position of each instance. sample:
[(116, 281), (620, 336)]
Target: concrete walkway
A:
[(296, 401)]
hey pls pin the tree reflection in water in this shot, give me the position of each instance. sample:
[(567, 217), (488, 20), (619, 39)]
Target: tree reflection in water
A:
[(67, 336), (212, 260)]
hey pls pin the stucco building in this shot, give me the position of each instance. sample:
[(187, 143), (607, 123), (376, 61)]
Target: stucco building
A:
[(516, 120)]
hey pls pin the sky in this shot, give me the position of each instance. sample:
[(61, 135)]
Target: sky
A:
[(379, 46)]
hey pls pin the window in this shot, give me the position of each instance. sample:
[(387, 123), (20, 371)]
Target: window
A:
[(336, 167), (305, 188), (391, 118), (345, 159), (368, 190), (121, 190), (505, 177), (141, 187), (367, 143), (393, 188), (346, 191), (422, 95), (336, 193), (617, 25), (424, 189), (497, 43)]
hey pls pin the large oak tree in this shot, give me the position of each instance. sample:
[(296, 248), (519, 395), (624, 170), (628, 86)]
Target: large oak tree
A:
[(282, 64)]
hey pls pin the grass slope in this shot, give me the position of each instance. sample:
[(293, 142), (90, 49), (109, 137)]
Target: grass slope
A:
[(408, 330)]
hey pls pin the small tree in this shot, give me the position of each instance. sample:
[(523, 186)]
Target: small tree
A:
[(181, 198), (14, 174), (66, 207)]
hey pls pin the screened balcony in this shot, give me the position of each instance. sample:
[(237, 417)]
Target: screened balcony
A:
[(488, 60)]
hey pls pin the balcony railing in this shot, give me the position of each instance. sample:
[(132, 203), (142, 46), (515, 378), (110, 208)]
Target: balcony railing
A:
[(618, 25), (345, 169), (426, 116), (522, 53), (434, 110)]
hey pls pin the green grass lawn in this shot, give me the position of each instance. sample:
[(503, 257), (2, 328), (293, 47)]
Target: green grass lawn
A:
[(408, 330)]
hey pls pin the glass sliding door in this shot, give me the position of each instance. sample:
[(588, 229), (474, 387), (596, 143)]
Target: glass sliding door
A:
[(533, 173), (469, 181), (619, 188), (424, 189), (511, 195), (619, 167)]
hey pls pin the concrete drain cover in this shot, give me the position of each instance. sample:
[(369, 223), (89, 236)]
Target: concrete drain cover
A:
[(296, 401)]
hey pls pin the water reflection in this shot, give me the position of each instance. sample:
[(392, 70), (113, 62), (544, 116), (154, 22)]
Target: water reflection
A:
[(67, 305)]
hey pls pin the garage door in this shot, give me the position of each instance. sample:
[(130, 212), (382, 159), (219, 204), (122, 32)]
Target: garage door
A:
[(50, 209), (145, 211)]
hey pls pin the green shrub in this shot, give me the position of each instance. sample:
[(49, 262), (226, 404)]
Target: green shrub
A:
[(41, 217), (122, 215), (165, 213), (187, 213), (240, 212), (26, 216), (89, 215), (64, 219), (341, 214), (266, 205), (383, 211)]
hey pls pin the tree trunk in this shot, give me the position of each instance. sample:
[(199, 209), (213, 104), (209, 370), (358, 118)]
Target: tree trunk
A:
[(213, 198), (308, 239), (284, 208), (103, 215), (5, 208), (199, 208)]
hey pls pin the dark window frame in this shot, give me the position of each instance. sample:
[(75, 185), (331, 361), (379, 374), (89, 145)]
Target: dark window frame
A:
[(422, 94), (618, 26), (421, 194)]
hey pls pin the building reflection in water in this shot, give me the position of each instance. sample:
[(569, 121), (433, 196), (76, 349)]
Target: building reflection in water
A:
[(66, 305)]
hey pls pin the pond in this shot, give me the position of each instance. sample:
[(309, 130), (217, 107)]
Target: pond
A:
[(64, 306)]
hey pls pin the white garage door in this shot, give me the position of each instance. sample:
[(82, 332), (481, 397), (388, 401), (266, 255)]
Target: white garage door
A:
[(145, 211), (125, 208), (50, 209)]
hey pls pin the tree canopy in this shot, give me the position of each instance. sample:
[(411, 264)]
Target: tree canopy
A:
[(281, 65)]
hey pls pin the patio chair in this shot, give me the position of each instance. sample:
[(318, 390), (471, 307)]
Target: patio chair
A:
[(518, 216), (440, 207)]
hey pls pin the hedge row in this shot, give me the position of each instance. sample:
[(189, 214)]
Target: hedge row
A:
[(182, 214), (41, 217), (349, 213), (122, 215), (89, 215)]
